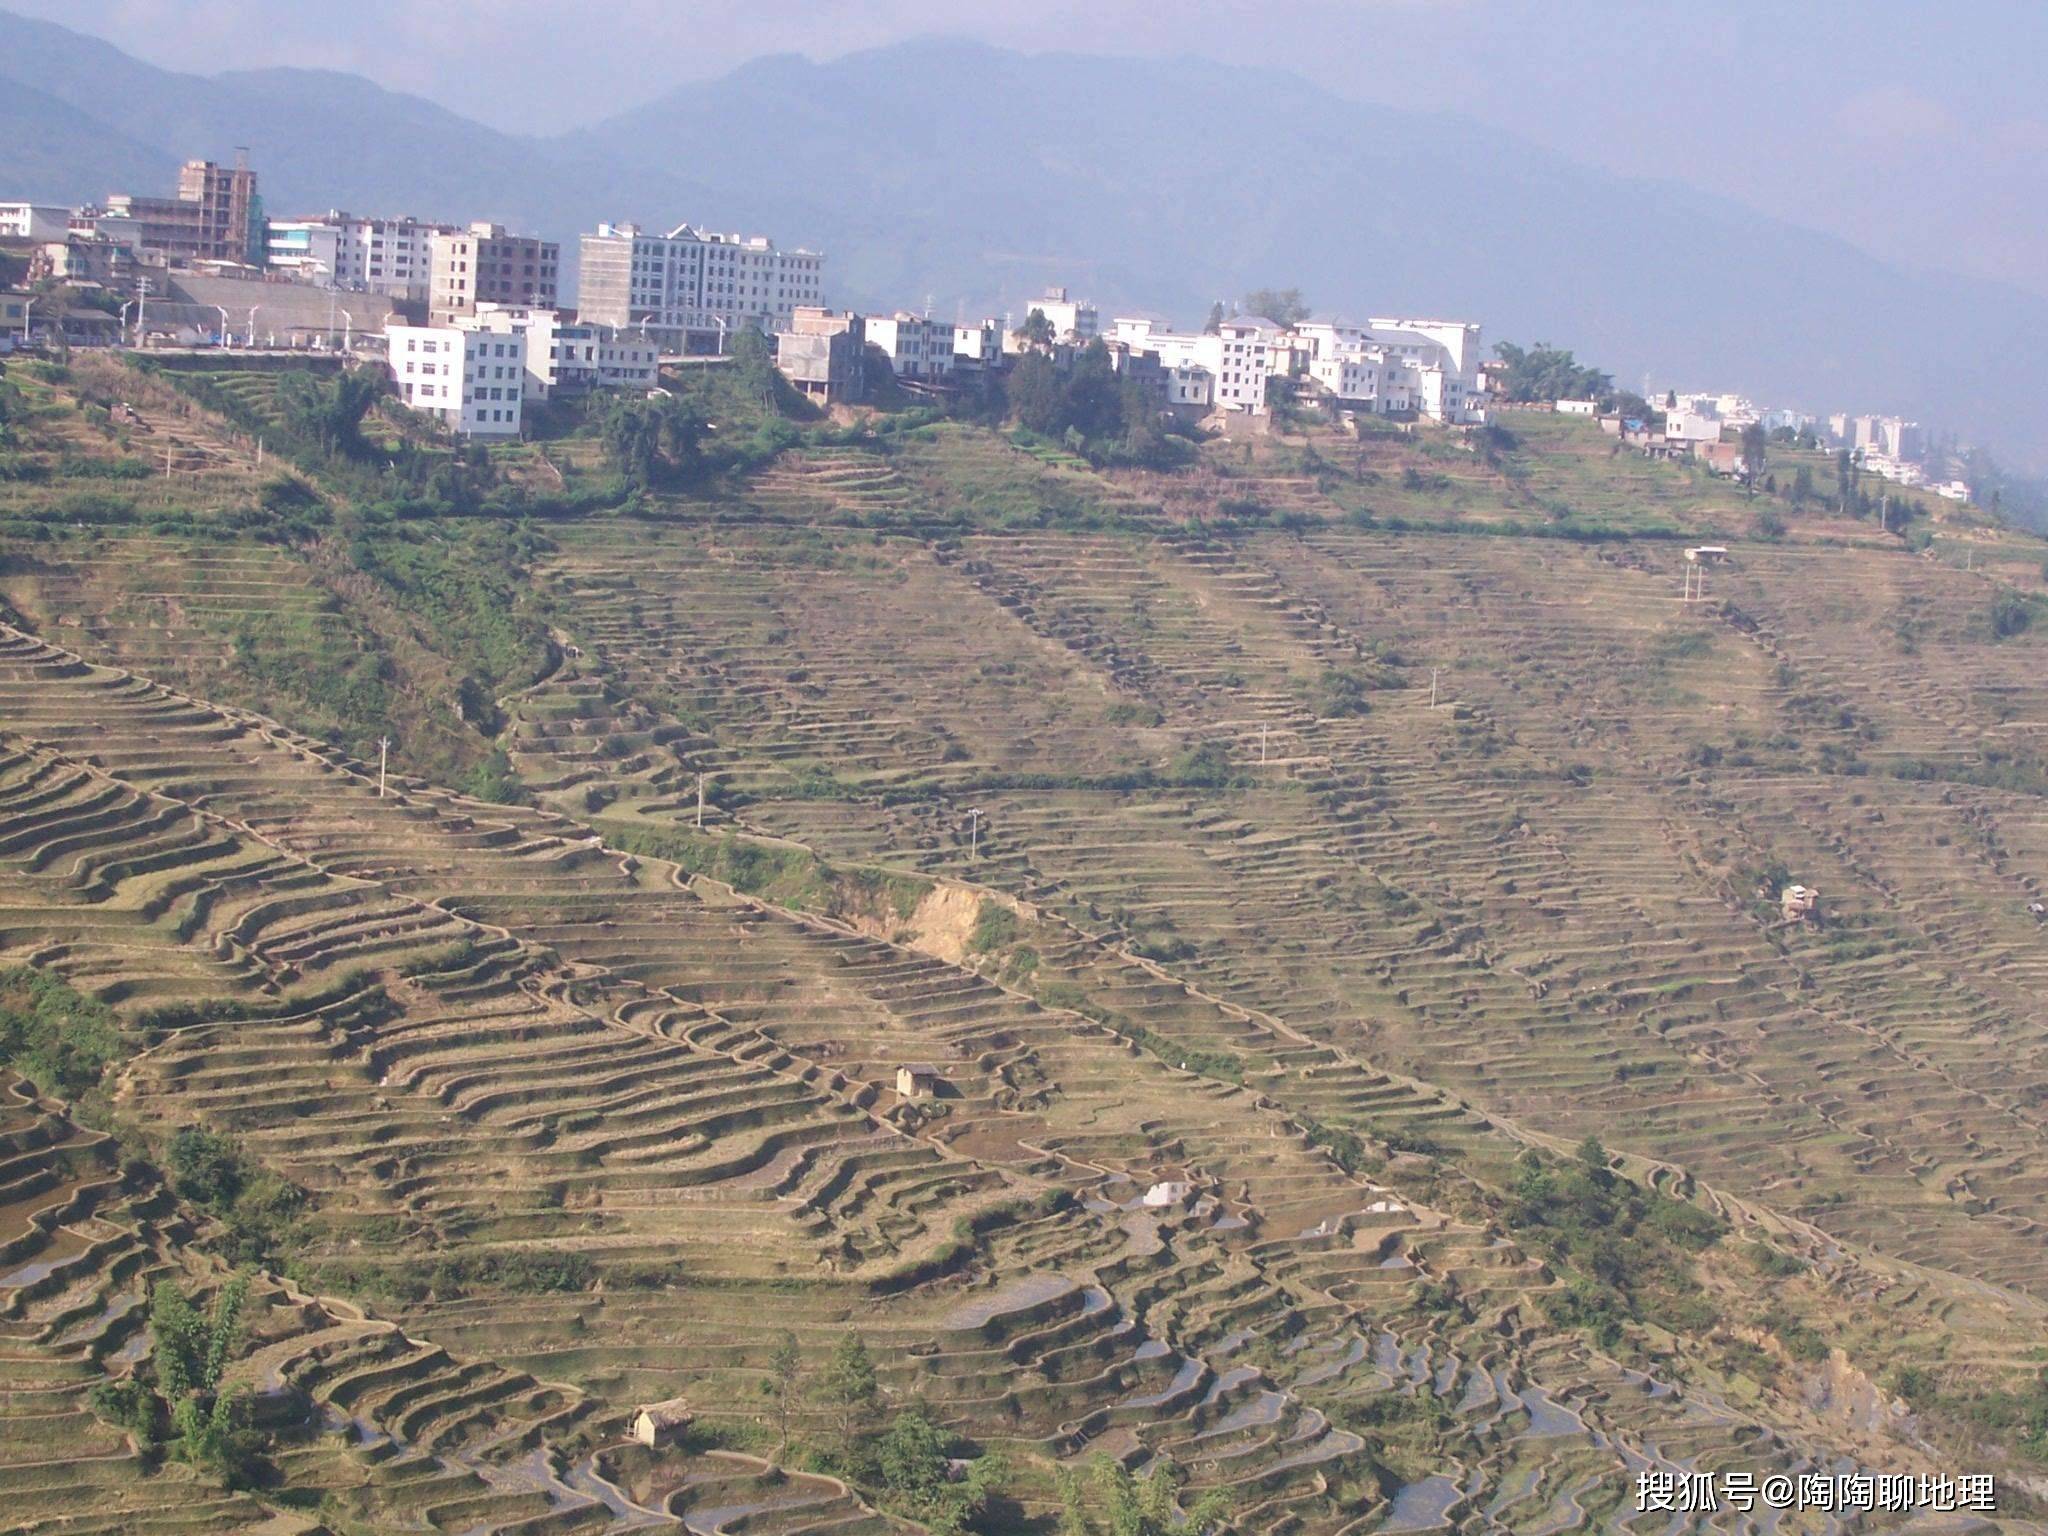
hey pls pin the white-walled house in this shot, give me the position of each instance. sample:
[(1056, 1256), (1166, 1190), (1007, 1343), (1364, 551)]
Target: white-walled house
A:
[(979, 345), (1431, 367), (568, 356), (39, 222), (917, 347), (474, 380), (1236, 361), (1684, 428)]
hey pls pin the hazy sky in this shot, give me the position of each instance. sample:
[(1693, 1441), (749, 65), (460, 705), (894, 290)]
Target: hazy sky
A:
[(1916, 128)]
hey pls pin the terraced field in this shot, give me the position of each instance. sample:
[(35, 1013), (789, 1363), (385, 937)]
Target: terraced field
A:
[(1260, 987)]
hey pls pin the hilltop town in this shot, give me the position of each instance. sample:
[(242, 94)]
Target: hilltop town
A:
[(471, 323)]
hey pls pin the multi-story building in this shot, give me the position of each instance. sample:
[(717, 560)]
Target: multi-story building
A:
[(1690, 428), (483, 264), (1072, 320), (306, 250), (979, 345), (1890, 436), (917, 348), (474, 380), (215, 216), (1358, 378), (339, 250), (1785, 419), (566, 356), (81, 259), (230, 212), (34, 221), (823, 353), (1902, 439), (1237, 357), (691, 287), (1429, 367)]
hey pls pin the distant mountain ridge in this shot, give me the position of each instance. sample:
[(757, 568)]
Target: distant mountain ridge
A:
[(973, 176)]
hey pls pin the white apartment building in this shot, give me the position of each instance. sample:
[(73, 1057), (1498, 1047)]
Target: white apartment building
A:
[(1892, 436), (1356, 378), (1783, 418), (1071, 319), (1189, 385), (567, 356), (1897, 470), (474, 380), (1687, 427), (979, 345), (1430, 367), (1237, 358), (917, 348), (690, 283), (34, 221), (339, 250)]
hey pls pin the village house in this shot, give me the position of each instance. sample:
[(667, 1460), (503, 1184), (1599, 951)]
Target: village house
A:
[(1800, 904), (658, 1425), (823, 354), (918, 1080)]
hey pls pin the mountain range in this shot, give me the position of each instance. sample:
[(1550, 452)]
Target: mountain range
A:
[(968, 177)]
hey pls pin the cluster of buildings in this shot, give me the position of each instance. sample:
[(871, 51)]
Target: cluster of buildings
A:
[(469, 317), (1897, 450), (1382, 367), (1707, 428)]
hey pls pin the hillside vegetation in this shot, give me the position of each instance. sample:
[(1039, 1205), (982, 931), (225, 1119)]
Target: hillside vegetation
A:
[(1333, 879)]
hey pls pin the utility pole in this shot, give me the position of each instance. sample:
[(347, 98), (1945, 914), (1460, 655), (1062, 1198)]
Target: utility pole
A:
[(974, 834), (1262, 741), (1433, 671), (383, 756), (700, 802)]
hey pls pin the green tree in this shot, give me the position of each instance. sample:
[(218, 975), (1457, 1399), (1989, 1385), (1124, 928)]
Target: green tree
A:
[(1037, 396), (1112, 1501), (191, 1355), (848, 1388), (1036, 331), (1753, 454), (1282, 306), (329, 412), (653, 444), (1215, 321), (205, 1168), (911, 1456), (785, 1375), (58, 1038), (914, 1462), (1544, 372)]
